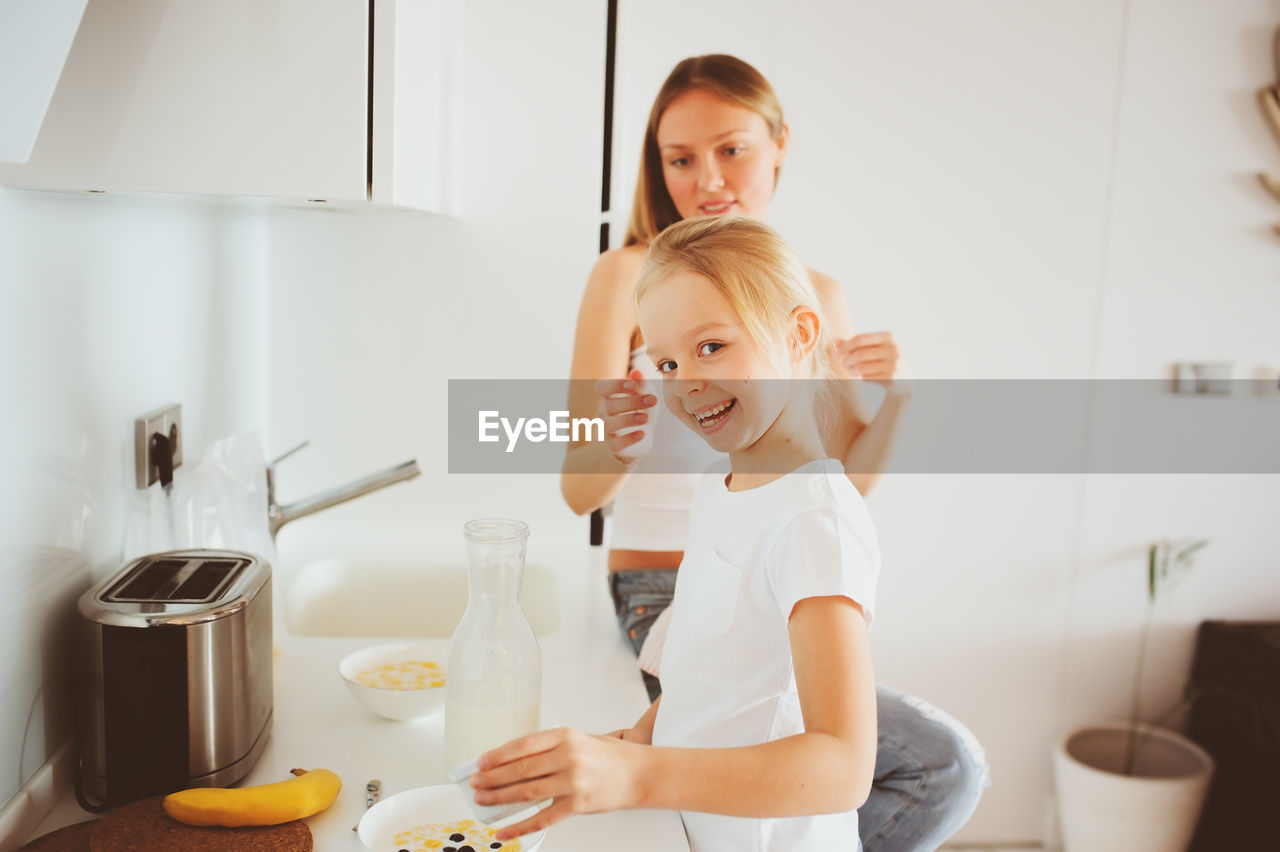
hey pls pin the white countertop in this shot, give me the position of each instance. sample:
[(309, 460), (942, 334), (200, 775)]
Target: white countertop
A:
[(589, 681)]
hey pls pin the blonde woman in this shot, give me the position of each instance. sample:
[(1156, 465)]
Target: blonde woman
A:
[(714, 145)]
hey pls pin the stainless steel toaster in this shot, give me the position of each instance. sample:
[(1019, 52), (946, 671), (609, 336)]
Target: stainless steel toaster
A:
[(174, 685)]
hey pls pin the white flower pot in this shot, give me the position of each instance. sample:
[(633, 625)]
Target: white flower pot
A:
[(1153, 810)]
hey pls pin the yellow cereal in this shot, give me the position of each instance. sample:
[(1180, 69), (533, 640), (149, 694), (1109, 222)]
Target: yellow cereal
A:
[(410, 674), (439, 836)]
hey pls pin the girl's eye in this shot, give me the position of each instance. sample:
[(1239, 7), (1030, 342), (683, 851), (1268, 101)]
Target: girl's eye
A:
[(680, 162), (666, 366), (733, 150), (709, 348)]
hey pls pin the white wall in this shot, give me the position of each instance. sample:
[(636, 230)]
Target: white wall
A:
[(109, 307), (1017, 190), (1188, 272)]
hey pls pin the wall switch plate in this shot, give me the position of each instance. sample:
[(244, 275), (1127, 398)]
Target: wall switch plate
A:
[(168, 422)]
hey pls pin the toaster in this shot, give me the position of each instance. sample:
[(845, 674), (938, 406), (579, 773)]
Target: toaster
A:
[(174, 686)]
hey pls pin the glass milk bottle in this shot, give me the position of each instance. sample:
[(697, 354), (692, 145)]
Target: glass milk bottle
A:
[(495, 668)]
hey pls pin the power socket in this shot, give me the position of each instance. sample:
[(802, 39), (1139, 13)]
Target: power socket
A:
[(168, 422)]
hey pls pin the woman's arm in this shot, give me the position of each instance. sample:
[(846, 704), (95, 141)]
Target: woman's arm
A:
[(864, 446), (591, 476), (826, 769)]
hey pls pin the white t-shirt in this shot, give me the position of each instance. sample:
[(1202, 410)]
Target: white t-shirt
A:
[(727, 673)]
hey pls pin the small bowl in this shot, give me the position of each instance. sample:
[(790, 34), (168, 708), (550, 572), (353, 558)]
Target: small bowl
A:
[(399, 680), (384, 827)]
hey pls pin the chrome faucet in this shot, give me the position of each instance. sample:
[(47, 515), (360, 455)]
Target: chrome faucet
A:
[(278, 516)]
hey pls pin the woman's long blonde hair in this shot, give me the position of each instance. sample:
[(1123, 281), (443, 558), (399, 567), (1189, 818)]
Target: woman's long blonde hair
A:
[(752, 267), (727, 77)]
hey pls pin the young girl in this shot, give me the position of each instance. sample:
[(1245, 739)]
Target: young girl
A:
[(715, 143), (765, 734)]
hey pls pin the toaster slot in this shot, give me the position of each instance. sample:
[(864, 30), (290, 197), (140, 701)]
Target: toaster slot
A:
[(146, 582), (185, 581), (207, 582)]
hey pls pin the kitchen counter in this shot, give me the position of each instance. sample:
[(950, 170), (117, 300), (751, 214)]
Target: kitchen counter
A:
[(589, 681)]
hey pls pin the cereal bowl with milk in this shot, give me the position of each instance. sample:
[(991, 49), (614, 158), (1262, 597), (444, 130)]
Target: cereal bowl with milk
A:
[(397, 680)]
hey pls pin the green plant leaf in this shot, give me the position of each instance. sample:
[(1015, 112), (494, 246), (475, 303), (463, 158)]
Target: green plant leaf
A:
[(1165, 561)]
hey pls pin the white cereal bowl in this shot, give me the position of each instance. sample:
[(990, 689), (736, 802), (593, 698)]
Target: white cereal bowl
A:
[(401, 701), (395, 823)]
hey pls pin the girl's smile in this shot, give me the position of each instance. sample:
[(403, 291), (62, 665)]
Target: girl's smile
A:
[(712, 417)]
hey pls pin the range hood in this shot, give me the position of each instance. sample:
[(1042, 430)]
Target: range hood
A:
[(35, 38)]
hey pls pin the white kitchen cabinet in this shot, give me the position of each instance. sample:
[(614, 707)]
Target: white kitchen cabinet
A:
[(35, 37), (276, 98)]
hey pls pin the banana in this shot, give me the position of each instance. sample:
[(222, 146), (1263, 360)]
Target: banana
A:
[(266, 804)]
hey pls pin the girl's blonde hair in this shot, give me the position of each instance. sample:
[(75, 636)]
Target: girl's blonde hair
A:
[(753, 268), (727, 77)]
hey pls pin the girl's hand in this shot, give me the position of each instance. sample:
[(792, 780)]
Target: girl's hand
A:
[(874, 357), (580, 773), (625, 405)]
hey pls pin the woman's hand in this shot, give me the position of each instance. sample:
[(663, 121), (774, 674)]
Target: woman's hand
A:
[(625, 405), (874, 357), (580, 773)]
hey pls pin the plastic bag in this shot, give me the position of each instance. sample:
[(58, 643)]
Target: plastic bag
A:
[(219, 503)]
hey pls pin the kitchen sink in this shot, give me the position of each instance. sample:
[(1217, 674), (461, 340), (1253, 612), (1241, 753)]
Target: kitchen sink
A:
[(340, 597)]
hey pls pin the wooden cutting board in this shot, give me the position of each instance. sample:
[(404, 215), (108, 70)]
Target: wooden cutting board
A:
[(143, 826)]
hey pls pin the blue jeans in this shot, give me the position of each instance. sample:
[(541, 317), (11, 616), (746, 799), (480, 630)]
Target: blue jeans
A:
[(930, 770)]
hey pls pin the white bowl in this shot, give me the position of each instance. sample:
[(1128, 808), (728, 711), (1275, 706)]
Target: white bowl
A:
[(387, 822), (411, 697)]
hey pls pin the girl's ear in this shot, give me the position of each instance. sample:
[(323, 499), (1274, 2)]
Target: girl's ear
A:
[(805, 326)]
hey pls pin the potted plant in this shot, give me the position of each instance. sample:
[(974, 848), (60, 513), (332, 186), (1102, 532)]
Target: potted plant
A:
[(1129, 786)]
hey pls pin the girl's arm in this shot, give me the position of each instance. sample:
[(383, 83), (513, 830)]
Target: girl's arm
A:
[(601, 350), (826, 769), (864, 447)]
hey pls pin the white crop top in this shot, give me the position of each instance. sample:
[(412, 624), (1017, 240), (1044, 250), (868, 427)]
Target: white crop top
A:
[(651, 512)]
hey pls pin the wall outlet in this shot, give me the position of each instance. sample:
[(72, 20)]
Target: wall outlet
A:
[(166, 421), (1213, 377)]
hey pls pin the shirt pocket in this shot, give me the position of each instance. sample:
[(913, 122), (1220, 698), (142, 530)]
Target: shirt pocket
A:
[(714, 588)]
